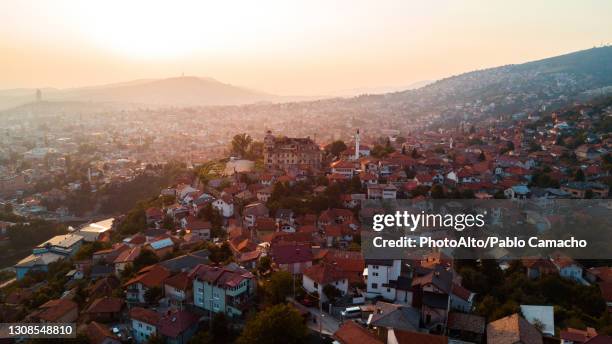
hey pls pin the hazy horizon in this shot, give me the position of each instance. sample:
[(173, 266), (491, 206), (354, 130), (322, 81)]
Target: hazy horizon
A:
[(288, 49)]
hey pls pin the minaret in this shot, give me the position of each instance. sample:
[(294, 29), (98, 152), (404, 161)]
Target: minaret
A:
[(357, 145)]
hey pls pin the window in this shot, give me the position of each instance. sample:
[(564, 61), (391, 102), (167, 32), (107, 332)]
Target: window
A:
[(374, 285), (388, 290), (375, 267), (374, 273), (316, 285)]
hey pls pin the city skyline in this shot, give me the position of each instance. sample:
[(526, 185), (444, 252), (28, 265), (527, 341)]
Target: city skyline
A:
[(284, 48)]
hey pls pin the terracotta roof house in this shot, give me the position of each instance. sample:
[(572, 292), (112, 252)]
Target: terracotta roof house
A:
[(223, 289), (178, 327), (144, 323), (466, 327), (513, 329), (149, 277), (104, 286), (178, 288), (318, 276), (350, 333), (100, 334), (294, 258), (410, 337), (576, 336), (54, 311), (105, 309)]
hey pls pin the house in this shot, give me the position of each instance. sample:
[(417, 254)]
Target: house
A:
[(388, 278), (225, 205), (104, 286), (318, 276), (199, 228), (382, 191), (178, 288), (461, 299), (334, 216), (100, 334), (517, 192), (56, 311), (126, 258), (177, 327), (568, 267), (153, 215), (161, 247), (147, 278), (252, 211), (110, 254), (285, 220), (388, 316), (186, 262), (584, 189), (542, 315), (144, 324), (433, 296), (264, 194), (223, 289), (395, 336), (466, 327), (537, 267), (576, 336), (292, 257), (350, 332), (344, 168), (513, 329), (105, 309)]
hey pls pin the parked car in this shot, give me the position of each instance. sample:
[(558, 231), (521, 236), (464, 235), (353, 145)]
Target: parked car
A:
[(351, 312)]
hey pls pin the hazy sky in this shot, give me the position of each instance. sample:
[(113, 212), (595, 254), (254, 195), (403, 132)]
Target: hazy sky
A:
[(285, 47)]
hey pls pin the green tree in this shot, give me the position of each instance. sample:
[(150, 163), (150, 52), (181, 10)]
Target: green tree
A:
[(240, 144), (336, 147), (279, 287), (145, 258), (280, 324), (264, 264)]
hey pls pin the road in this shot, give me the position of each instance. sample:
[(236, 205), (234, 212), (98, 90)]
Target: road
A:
[(330, 324)]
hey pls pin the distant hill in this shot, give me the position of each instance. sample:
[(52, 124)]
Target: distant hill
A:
[(179, 91)]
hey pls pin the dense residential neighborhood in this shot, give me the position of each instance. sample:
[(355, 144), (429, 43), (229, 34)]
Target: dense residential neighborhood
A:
[(235, 238)]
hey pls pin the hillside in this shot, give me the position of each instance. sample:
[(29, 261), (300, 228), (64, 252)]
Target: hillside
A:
[(519, 87)]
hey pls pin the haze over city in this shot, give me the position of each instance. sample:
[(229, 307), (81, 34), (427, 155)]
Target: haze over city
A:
[(285, 48)]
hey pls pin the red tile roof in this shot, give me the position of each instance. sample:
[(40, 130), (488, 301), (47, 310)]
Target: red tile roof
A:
[(325, 273), (350, 333), (151, 276), (173, 324), (144, 315), (105, 305), (99, 334), (180, 281), (513, 329), (291, 253), (409, 337), (53, 310)]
